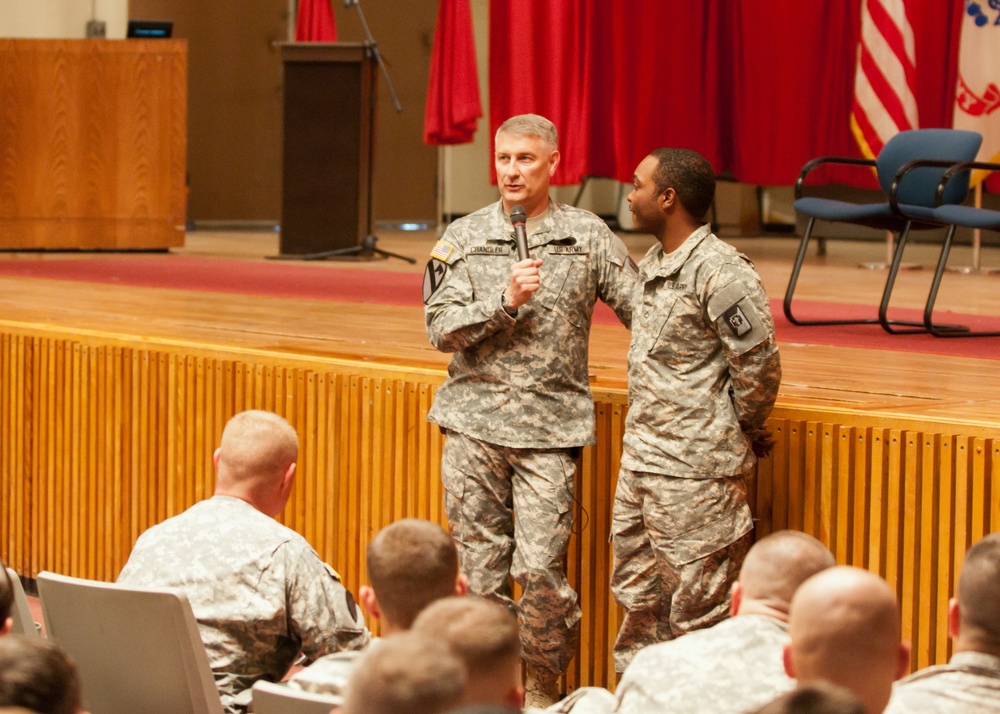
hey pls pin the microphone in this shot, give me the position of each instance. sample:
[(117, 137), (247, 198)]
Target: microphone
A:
[(519, 218)]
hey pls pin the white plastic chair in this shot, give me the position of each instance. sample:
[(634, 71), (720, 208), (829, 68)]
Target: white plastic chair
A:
[(24, 623), (137, 649)]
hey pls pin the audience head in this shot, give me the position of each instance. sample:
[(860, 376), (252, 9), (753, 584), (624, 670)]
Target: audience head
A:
[(844, 626), (526, 155), (6, 600), (37, 675), (255, 460), (974, 616), (411, 563), (485, 636), (815, 698), (774, 569), (409, 672)]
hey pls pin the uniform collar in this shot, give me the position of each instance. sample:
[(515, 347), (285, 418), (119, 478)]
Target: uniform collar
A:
[(659, 264)]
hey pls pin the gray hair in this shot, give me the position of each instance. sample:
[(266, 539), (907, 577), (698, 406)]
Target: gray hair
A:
[(530, 125)]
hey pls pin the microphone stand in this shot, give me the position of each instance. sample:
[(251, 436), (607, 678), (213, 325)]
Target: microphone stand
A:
[(368, 248)]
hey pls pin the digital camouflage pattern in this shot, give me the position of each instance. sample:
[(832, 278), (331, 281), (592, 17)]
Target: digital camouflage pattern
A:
[(735, 666), (969, 683), (703, 364), (703, 372), (522, 381), (516, 401), (329, 674), (258, 590), (482, 499)]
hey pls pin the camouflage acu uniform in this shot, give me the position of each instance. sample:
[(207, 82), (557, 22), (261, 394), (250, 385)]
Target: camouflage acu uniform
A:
[(517, 403), (329, 674), (259, 591), (969, 683), (734, 666), (703, 371)]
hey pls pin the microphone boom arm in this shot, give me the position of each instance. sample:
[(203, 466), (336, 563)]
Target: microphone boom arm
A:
[(373, 50)]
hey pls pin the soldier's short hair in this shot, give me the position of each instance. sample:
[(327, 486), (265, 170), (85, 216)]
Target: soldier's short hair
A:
[(978, 585), (408, 672), (37, 675), (6, 594), (257, 443), (779, 563), (690, 175), (815, 698), (484, 634), (531, 125), (411, 563)]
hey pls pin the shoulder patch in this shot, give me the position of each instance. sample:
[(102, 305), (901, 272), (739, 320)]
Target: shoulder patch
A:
[(433, 278), (737, 322), (442, 250)]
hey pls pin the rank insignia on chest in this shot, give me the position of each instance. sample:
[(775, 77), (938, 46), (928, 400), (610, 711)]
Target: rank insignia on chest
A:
[(489, 250), (738, 323), (442, 250)]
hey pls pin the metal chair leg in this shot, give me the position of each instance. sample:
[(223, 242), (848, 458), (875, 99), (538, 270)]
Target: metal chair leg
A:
[(794, 279), (946, 330)]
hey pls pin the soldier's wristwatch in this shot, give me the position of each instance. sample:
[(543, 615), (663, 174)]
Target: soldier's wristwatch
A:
[(511, 311)]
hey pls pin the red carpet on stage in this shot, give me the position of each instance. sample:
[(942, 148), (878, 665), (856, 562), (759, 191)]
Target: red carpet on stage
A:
[(314, 282)]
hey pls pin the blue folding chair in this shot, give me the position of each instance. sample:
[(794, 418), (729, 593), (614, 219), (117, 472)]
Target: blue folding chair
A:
[(951, 214), (917, 190)]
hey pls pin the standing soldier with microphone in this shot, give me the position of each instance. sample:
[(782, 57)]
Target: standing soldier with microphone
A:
[(517, 407)]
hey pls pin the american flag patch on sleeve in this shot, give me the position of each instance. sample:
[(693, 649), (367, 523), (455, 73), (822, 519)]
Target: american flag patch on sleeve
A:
[(442, 250)]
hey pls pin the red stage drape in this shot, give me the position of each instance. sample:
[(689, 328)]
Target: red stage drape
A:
[(315, 22), (758, 86), (453, 105)]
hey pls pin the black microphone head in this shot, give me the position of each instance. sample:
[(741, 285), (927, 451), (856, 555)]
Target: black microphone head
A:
[(517, 215)]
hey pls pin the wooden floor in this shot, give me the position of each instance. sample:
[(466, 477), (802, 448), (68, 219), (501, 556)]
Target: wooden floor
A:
[(113, 397)]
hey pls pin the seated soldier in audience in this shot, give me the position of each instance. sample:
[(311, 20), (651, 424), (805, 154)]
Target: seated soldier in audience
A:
[(736, 665), (970, 682), (6, 600), (844, 625), (411, 563), (486, 637), (259, 591), (815, 698), (38, 676), (409, 673)]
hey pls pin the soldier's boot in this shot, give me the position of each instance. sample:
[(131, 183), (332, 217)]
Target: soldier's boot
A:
[(541, 689)]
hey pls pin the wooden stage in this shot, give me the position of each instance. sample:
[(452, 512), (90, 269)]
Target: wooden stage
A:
[(113, 399)]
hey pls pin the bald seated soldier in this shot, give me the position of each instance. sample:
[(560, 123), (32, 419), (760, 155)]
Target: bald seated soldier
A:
[(410, 672), (970, 682), (259, 591), (411, 564), (845, 629), (815, 698), (735, 665)]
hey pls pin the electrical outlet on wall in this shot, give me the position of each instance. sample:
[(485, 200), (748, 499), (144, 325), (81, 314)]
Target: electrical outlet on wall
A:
[(96, 29)]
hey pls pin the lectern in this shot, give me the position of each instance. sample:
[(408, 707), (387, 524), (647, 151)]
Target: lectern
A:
[(329, 112)]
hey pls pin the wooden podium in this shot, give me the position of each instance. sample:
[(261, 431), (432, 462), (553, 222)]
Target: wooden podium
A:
[(329, 113), (93, 144)]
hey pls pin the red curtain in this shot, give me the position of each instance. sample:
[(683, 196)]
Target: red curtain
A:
[(315, 22), (453, 105), (757, 86)]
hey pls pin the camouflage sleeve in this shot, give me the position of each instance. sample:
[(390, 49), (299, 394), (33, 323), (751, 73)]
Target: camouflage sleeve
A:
[(456, 318), (618, 275), (321, 611), (741, 314)]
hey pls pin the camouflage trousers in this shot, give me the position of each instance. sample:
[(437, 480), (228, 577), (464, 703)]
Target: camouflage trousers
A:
[(678, 547), (511, 514)]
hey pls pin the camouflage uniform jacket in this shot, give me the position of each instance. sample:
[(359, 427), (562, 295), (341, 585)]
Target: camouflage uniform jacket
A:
[(522, 382), (734, 666), (329, 674), (703, 365), (258, 590), (969, 683)]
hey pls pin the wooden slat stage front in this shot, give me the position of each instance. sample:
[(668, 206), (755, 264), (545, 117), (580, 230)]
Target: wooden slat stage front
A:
[(113, 399)]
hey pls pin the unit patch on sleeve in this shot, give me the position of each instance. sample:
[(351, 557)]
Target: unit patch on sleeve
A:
[(738, 323), (433, 277)]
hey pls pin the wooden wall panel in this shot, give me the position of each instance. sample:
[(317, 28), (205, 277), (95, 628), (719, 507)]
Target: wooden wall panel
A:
[(102, 437), (94, 136)]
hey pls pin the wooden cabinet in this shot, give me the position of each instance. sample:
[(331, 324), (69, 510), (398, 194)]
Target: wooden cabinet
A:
[(93, 141)]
